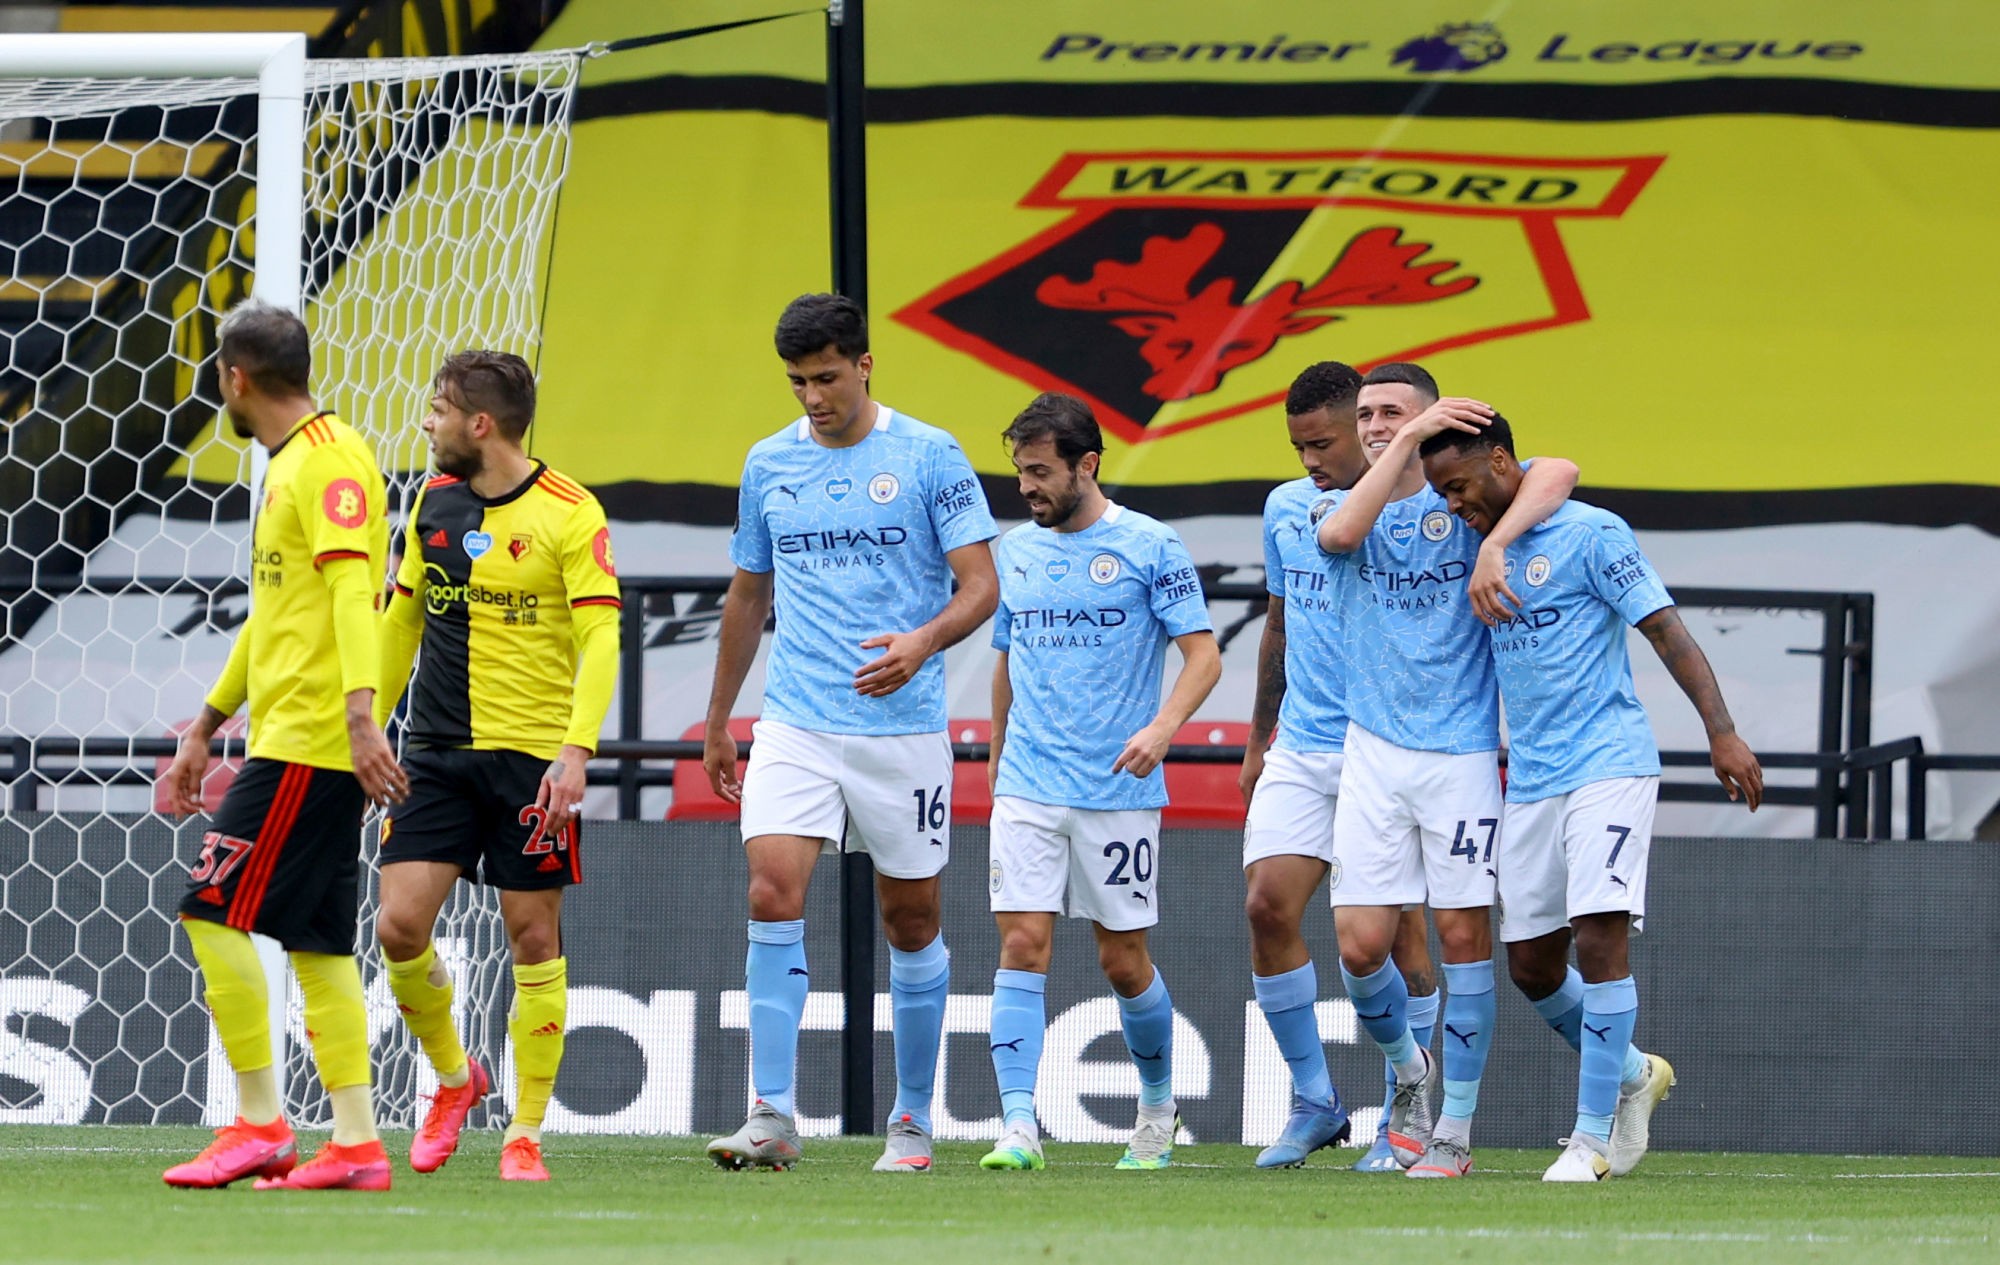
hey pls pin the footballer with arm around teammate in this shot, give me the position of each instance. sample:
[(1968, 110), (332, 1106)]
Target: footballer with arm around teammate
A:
[(1584, 775), (1091, 593), (1419, 807), (509, 584), (1291, 776), (853, 521), (282, 856)]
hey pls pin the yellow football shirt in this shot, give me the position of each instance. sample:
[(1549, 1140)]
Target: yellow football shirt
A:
[(499, 580), (323, 500)]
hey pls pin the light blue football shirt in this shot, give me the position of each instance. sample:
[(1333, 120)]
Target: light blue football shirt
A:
[(856, 538), (1313, 714), (1419, 666), (1573, 717), (1085, 618)]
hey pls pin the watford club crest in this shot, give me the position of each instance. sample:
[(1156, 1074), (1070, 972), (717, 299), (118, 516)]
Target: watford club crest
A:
[(1183, 288)]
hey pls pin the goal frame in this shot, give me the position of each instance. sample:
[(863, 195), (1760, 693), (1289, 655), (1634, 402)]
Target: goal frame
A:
[(277, 61)]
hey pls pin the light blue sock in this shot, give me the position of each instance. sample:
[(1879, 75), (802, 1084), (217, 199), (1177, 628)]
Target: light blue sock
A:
[(1562, 1010), (1020, 1018), (1382, 1004), (774, 972), (1610, 1012), (1469, 1012), (919, 982), (1287, 1001), (1423, 1016), (1149, 1035)]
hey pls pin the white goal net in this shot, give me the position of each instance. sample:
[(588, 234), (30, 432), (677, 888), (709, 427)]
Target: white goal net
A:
[(127, 228)]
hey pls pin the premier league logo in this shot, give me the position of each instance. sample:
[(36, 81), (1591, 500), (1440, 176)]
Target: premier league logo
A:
[(1538, 570), (883, 487), (1320, 510), (1437, 525), (1104, 568)]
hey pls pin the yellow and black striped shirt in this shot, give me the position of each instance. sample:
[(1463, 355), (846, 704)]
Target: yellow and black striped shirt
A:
[(508, 587)]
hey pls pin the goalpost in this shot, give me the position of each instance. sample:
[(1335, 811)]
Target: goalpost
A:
[(405, 208)]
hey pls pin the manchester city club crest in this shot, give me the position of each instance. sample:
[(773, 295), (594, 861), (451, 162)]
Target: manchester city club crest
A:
[(1104, 568), (1437, 525), (1538, 570), (883, 487), (993, 878), (1333, 874)]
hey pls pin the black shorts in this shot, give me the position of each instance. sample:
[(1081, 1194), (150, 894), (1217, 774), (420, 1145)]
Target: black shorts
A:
[(282, 857), (476, 810)]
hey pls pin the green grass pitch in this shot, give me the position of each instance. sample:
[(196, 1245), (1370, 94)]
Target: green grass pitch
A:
[(89, 1194)]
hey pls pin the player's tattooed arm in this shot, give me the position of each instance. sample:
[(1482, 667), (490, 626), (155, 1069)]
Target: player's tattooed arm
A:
[(1736, 767), (1270, 693), (903, 653), (745, 610)]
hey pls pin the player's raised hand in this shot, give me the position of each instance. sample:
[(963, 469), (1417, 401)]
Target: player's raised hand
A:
[(1143, 751), (182, 780), (561, 791), (1453, 412), (1492, 600), (1737, 769), (902, 655), (718, 760)]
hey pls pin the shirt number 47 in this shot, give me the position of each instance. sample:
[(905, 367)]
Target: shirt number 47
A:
[(1466, 842)]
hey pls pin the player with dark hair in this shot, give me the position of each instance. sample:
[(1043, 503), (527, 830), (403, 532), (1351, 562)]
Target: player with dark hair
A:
[(1583, 778), (1091, 593), (1293, 784), (509, 584), (1419, 808), (853, 521), (282, 857)]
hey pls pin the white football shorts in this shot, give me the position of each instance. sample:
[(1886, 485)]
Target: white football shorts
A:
[(1415, 826), (1291, 808), (1103, 865), (886, 795), (1581, 853)]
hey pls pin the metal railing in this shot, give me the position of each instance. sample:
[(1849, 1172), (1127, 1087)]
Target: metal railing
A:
[(1850, 795)]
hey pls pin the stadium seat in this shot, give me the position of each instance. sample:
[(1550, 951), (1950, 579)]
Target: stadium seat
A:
[(1205, 795), (971, 800), (694, 798)]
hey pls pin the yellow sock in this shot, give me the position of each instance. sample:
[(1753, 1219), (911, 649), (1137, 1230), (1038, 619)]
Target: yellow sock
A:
[(337, 1025), (423, 993), (541, 1007), (239, 999)]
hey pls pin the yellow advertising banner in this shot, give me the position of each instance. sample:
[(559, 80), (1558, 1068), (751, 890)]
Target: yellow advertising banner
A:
[(1751, 257)]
